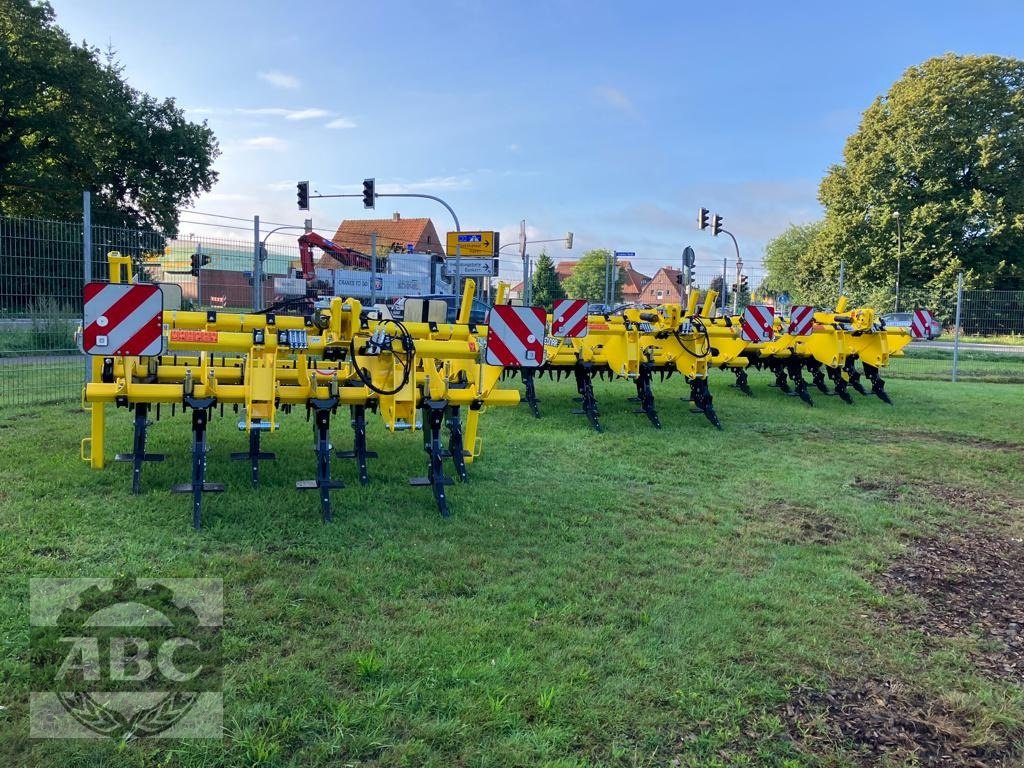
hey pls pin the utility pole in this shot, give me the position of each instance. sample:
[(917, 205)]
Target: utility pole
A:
[(526, 265), (373, 268), (842, 275)]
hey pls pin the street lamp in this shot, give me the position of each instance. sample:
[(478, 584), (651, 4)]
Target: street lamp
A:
[(522, 243), (736, 289), (899, 257)]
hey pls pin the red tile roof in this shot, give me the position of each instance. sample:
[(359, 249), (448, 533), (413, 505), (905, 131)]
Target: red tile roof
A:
[(356, 233)]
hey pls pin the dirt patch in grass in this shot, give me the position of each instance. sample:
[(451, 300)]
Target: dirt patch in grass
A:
[(886, 722), (56, 553), (945, 438), (791, 523), (971, 584), (883, 488)]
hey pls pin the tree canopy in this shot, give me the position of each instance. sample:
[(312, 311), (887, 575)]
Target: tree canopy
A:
[(943, 151), (546, 286), (784, 259), (69, 122), (589, 277)]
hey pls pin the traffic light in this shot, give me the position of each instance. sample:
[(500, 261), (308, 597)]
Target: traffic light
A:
[(702, 219), (369, 193), (716, 224), (302, 192), (744, 283), (198, 260), (568, 242)]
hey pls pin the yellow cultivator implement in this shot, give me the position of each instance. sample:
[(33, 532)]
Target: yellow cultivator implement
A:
[(415, 375)]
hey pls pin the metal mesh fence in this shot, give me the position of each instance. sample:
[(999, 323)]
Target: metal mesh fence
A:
[(42, 268)]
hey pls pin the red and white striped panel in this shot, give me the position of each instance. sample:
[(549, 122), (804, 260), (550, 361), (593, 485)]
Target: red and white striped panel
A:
[(122, 319), (757, 323), (921, 324), (515, 336), (801, 320), (569, 318)]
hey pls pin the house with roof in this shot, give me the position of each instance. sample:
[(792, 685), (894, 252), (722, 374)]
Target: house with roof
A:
[(664, 288), (394, 234), (633, 281)]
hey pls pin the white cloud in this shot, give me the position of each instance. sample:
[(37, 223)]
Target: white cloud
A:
[(265, 142), (280, 80), (341, 122), (615, 97), (287, 114)]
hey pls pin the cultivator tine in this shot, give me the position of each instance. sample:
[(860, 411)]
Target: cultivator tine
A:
[(359, 452), (531, 390), (700, 394), (254, 455), (796, 375), (854, 375), (779, 371), (138, 454), (456, 446), (322, 445), (877, 383), (742, 383), (645, 395), (817, 376), (836, 374), (433, 417), (200, 419), (588, 402)]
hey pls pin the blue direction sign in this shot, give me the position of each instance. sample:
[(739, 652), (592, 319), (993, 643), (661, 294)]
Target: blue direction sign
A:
[(471, 238), (625, 255)]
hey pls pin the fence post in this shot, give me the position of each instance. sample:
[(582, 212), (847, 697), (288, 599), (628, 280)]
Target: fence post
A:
[(87, 258), (257, 266), (373, 268), (956, 327), (725, 276)]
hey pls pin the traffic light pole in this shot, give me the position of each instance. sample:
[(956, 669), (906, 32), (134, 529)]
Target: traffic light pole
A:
[(458, 260), (738, 263)]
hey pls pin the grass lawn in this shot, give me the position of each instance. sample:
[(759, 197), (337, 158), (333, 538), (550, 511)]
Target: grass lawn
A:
[(632, 598), (973, 365)]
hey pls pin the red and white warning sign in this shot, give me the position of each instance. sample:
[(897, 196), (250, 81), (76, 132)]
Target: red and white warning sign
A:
[(569, 318), (515, 336), (123, 319), (757, 323), (921, 324), (801, 320)]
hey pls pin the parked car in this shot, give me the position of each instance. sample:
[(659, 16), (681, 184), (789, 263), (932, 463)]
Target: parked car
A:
[(600, 309), (477, 315), (903, 320)]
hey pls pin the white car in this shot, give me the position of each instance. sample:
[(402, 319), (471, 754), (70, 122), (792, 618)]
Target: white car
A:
[(903, 320)]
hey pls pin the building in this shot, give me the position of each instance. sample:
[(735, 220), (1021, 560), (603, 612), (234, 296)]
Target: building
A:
[(633, 282), (394, 234), (663, 288)]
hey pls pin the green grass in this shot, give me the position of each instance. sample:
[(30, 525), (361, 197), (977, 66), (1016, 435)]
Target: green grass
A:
[(630, 598), (1015, 339), (973, 365)]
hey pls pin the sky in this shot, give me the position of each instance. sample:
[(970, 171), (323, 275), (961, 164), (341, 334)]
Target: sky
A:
[(613, 120)]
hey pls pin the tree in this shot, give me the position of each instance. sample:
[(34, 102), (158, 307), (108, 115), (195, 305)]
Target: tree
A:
[(546, 286), (718, 287), (784, 259), (68, 122), (943, 150), (589, 277)]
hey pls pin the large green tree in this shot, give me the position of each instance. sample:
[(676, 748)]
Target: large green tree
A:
[(784, 259), (944, 151), (546, 286), (68, 122), (589, 277)]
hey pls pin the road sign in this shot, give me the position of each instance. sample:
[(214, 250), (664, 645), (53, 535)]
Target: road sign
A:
[(473, 243), (569, 318), (921, 324), (801, 320), (470, 267), (515, 336), (783, 299), (122, 319), (620, 255), (689, 257), (757, 323)]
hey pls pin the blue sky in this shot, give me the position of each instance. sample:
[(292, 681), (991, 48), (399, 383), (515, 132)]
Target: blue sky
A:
[(615, 120)]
